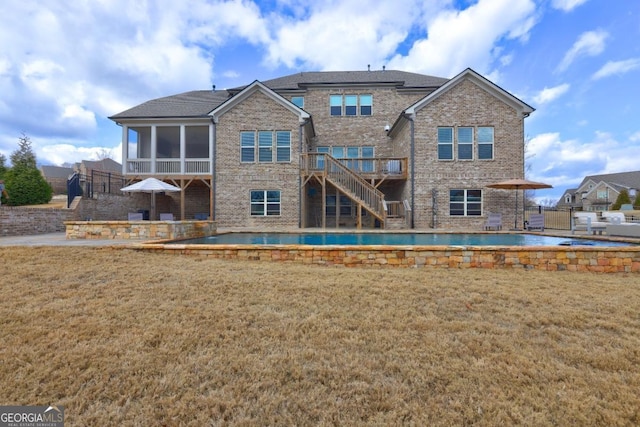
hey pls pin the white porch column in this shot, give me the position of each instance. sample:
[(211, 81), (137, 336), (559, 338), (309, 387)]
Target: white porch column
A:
[(183, 148), (125, 148), (154, 147)]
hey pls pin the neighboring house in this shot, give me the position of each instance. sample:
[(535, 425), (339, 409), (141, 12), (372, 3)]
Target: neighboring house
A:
[(105, 165), (599, 192), (57, 177), (322, 149)]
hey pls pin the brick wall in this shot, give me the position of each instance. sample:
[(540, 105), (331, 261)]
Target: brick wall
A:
[(466, 105), (235, 180), (21, 221), (113, 207)]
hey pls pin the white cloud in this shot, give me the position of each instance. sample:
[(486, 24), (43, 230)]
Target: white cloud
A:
[(616, 67), (550, 94), (60, 153), (567, 5), (564, 163), (460, 39), (338, 35), (590, 43)]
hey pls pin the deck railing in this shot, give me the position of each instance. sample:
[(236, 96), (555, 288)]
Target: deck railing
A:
[(169, 166)]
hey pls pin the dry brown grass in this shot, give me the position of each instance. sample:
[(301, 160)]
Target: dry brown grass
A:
[(126, 338)]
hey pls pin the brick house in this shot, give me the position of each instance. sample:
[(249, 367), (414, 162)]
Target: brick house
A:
[(597, 193), (383, 148)]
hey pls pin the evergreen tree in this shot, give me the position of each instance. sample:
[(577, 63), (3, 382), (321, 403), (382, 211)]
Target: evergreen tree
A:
[(3, 166), (24, 182), (623, 199)]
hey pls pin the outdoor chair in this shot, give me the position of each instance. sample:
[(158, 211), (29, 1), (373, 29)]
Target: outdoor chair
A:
[(617, 225), (494, 221), (536, 222), (135, 216), (587, 221), (166, 217), (614, 217)]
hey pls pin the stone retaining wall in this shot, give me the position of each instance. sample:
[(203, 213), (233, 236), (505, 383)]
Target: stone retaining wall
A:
[(139, 229), (602, 259)]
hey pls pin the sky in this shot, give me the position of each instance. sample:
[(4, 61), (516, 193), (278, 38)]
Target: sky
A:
[(65, 67)]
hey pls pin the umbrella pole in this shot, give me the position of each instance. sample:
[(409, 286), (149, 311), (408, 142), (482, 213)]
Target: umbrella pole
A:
[(152, 217), (515, 221)]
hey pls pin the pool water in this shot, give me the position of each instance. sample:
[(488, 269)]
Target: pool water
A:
[(397, 239)]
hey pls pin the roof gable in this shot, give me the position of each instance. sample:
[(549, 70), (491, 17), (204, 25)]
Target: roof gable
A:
[(488, 86), (624, 179), (250, 90)]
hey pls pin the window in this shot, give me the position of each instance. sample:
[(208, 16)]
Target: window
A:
[(465, 202), (168, 142), (485, 143), (336, 105), (350, 105), (366, 103), (265, 202), (196, 142), (320, 160), (465, 143), (265, 148), (367, 153), (353, 105), (283, 146), (445, 143), (298, 101), (247, 146), (347, 207)]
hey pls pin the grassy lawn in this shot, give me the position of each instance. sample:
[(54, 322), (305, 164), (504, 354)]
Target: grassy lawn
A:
[(126, 338)]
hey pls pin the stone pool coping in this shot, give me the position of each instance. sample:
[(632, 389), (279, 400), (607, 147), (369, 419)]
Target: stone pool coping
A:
[(602, 259)]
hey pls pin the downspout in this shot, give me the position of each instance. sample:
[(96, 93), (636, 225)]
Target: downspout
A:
[(300, 189), (214, 178), (413, 165)]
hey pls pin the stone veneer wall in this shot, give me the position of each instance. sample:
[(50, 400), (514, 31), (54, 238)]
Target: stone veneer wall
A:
[(604, 260), (123, 230)]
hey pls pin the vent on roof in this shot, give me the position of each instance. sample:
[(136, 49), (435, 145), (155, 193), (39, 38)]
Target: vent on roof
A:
[(368, 67), (213, 88)]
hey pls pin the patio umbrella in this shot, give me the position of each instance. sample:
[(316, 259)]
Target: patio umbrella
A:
[(153, 186), (519, 184)]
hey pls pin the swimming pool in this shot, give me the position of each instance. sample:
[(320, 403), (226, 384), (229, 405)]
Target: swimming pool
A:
[(395, 239)]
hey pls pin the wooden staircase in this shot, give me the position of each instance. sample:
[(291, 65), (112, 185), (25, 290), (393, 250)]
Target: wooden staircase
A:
[(346, 181)]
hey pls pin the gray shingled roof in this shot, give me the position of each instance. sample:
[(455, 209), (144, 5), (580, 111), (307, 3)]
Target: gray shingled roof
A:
[(200, 102), (197, 103), (620, 179), (400, 78), (55, 171)]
